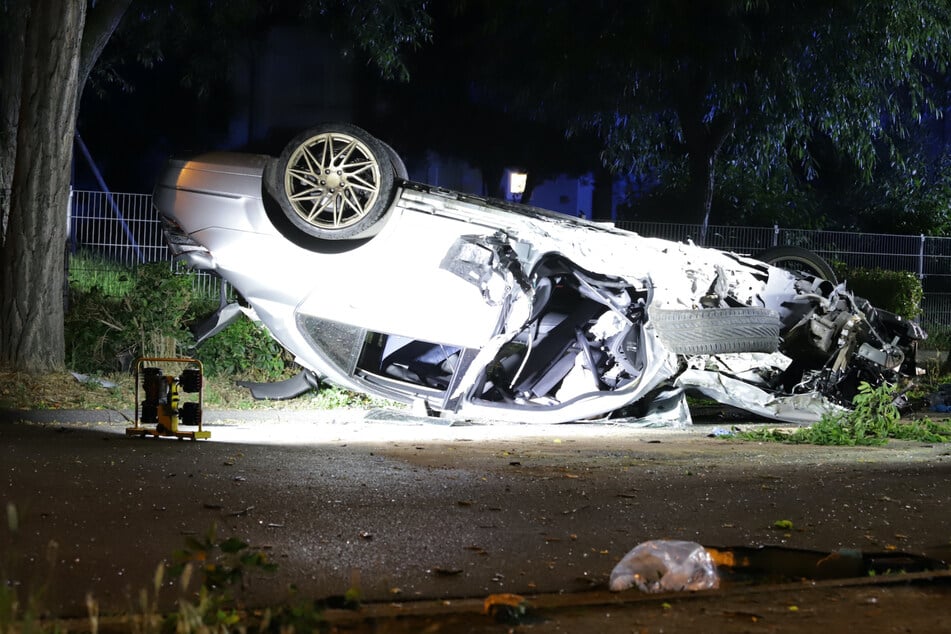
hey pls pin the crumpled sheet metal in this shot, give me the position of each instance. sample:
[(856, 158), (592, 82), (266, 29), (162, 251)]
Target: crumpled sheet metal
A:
[(804, 408)]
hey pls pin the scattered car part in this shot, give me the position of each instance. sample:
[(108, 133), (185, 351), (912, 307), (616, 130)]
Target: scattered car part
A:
[(301, 383)]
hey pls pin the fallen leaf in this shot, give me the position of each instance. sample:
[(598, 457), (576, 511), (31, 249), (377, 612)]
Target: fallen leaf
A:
[(446, 572), (504, 598)]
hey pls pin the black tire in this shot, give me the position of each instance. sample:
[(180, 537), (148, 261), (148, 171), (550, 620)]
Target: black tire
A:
[(399, 167), (190, 380), (153, 384), (717, 330), (149, 413), (333, 182), (190, 414), (799, 260)]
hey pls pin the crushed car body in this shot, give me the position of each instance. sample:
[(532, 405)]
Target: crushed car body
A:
[(483, 309)]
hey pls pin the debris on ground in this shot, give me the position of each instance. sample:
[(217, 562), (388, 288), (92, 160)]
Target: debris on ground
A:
[(665, 566)]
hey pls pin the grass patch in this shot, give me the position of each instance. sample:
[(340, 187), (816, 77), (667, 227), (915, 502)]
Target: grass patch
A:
[(61, 390), (939, 337), (873, 421), (89, 271)]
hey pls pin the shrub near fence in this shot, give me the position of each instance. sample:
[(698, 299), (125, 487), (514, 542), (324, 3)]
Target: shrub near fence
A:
[(125, 228)]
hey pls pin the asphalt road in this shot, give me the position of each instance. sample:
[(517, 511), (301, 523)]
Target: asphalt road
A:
[(421, 514)]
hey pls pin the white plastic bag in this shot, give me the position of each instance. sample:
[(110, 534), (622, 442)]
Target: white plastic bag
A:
[(666, 566)]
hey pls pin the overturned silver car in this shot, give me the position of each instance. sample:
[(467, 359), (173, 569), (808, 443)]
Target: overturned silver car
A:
[(481, 309)]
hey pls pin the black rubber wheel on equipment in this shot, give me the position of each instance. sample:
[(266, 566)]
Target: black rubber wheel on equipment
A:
[(333, 182), (799, 260), (717, 330), (149, 413), (152, 383), (190, 414), (190, 380)]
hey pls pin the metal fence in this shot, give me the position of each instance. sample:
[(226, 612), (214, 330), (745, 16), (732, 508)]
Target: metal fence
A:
[(927, 257), (109, 234), (106, 230)]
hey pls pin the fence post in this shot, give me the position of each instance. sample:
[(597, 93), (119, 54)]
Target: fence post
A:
[(921, 258), (775, 235)]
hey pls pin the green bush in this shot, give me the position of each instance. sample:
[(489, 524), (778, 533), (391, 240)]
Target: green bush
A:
[(873, 421), (898, 292), (939, 336), (104, 333), (243, 349), (92, 333), (90, 272)]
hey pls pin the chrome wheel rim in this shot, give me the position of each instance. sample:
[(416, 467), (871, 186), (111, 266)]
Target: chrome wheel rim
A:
[(332, 180)]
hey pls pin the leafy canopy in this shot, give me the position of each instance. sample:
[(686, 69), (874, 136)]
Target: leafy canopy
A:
[(667, 80)]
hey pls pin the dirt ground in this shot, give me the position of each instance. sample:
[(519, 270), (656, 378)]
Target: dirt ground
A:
[(428, 520)]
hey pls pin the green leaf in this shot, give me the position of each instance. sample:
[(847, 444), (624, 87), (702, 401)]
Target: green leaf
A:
[(232, 545)]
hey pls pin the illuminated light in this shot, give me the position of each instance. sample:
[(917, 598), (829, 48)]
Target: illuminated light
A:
[(517, 182)]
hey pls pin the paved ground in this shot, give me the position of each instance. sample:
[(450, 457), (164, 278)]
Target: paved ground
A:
[(427, 519)]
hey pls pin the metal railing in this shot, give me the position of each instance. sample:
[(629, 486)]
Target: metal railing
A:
[(124, 229), (110, 232), (927, 257)]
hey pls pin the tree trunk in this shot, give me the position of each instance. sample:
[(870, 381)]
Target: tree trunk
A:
[(602, 198), (531, 181), (32, 279), (700, 188), (13, 17), (703, 143), (101, 22)]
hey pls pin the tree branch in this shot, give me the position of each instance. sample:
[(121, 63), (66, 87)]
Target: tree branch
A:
[(101, 22)]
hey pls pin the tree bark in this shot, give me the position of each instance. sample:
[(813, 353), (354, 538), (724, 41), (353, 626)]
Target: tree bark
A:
[(531, 181), (602, 198), (101, 23), (13, 17), (704, 142), (32, 278), (702, 170)]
